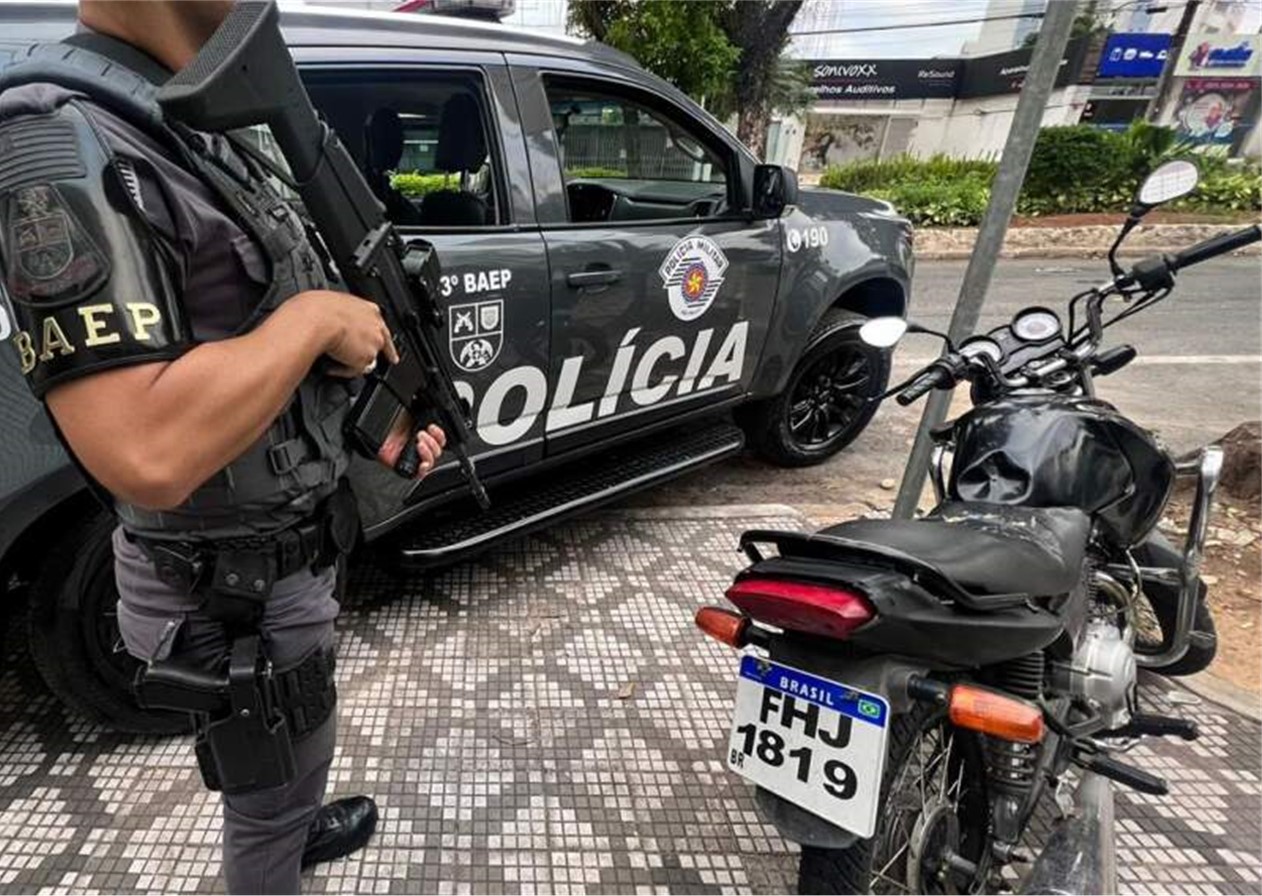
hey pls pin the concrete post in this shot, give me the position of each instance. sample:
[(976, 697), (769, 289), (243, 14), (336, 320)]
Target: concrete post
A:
[(1026, 121)]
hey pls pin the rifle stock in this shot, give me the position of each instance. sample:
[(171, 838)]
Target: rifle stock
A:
[(244, 75)]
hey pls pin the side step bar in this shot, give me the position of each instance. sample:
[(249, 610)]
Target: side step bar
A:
[(520, 508)]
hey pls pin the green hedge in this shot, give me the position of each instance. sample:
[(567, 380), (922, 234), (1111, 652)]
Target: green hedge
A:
[(938, 203), (1075, 168), (596, 171), (413, 185)]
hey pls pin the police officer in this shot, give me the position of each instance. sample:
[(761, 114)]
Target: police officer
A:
[(173, 316)]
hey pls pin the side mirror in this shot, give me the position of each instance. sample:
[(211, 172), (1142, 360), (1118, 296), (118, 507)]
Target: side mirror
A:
[(1168, 181), (775, 188)]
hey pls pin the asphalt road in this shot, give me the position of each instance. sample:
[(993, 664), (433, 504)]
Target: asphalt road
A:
[(1199, 374)]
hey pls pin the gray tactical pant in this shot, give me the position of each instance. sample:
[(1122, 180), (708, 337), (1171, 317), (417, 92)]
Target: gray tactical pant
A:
[(264, 832)]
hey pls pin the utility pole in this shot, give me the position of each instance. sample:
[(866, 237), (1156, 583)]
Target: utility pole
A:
[(1172, 60), (1026, 121)]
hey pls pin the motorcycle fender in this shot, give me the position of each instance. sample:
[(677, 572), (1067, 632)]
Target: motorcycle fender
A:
[(880, 675)]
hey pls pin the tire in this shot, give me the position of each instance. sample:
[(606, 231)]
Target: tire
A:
[(1157, 611), (851, 870), (73, 633), (815, 417)]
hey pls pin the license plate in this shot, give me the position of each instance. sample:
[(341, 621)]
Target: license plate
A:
[(817, 743)]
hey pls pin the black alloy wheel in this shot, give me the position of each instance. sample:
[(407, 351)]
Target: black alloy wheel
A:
[(828, 397), (828, 400)]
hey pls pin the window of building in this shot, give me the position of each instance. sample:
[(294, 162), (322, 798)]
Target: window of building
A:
[(623, 160), (424, 142)]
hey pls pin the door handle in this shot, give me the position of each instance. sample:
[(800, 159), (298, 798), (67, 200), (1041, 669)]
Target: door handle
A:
[(602, 277)]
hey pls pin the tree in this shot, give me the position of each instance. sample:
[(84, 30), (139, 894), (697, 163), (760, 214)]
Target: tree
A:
[(1086, 22), (681, 42), (727, 52), (760, 29)]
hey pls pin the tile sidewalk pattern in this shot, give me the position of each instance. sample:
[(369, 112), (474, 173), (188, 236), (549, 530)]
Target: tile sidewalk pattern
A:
[(490, 710)]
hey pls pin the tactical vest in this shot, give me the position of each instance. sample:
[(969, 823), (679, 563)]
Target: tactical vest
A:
[(298, 461)]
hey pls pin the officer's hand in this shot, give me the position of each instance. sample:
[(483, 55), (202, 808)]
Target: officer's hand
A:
[(353, 330), (429, 445)]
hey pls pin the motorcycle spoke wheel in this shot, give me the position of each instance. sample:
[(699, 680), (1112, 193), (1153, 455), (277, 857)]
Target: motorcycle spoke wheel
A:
[(931, 810)]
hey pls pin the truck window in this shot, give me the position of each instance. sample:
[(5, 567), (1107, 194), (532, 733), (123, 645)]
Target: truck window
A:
[(622, 160), (423, 142)]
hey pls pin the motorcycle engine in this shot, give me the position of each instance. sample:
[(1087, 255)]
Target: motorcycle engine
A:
[(1102, 672)]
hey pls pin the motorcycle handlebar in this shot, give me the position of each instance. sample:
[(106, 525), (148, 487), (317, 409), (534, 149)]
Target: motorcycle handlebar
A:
[(930, 380), (1214, 246)]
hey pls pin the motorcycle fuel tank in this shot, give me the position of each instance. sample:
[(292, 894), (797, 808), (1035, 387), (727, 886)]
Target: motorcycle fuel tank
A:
[(1063, 451)]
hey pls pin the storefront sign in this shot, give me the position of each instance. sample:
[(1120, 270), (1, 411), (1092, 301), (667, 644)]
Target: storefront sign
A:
[(884, 79), (1114, 113), (1134, 56), (1005, 72), (1220, 56), (1216, 111)]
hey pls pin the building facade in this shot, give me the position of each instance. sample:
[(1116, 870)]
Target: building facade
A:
[(870, 108)]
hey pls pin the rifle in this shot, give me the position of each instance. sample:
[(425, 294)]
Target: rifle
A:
[(243, 76)]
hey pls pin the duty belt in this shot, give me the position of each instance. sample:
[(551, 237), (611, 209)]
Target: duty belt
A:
[(236, 576), (245, 566)]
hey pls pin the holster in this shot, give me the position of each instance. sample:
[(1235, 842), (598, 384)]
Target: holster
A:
[(243, 741), (246, 715)]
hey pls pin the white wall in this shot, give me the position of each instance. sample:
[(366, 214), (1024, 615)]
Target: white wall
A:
[(979, 127)]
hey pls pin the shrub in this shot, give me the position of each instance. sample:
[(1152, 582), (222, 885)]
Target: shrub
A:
[(595, 171), (1226, 191), (412, 184), (939, 203), (859, 177), (1075, 168)]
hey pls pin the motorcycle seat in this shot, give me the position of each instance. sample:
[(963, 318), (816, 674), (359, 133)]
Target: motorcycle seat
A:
[(987, 549)]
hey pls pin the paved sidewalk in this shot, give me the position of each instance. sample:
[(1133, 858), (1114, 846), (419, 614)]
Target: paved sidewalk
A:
[(490, 708)]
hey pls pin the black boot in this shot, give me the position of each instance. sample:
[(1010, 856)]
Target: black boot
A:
[(339, 829)]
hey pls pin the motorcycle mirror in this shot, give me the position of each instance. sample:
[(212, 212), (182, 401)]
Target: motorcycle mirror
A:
[(883, 332), (1168, 181)]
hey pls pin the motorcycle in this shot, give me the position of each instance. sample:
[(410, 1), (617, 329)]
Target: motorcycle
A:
[(915, 688)]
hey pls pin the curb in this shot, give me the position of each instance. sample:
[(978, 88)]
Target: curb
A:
[(1068, 252), (1216, 690), (1073, 241)]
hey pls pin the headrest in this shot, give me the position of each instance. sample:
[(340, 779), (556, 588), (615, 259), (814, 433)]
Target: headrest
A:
[(383, 139), (461, 143)]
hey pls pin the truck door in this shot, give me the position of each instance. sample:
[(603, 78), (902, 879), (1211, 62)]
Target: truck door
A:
[(441, 146), (660, 290)]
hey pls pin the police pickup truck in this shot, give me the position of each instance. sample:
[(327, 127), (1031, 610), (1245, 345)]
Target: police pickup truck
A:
[(620, 306)]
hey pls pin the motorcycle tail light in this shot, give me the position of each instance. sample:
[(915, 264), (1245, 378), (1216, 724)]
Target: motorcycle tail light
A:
[(979, 709), (826, 610), (723, 626)]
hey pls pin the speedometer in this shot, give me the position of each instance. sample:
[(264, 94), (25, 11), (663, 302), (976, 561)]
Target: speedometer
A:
[(982, 346), (1036, 325)]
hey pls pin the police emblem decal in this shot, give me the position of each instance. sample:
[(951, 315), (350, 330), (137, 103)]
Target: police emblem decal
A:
[(476, 334), (691, 275), (56, 261)]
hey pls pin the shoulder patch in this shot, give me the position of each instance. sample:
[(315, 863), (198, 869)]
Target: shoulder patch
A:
[(51, 259), (38, 149)]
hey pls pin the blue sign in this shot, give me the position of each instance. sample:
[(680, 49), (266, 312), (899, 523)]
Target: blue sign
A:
[(865, 707), (1134, 56)]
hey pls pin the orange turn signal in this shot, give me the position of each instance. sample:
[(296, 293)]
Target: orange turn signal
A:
[(979, 709), (723, 626)]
